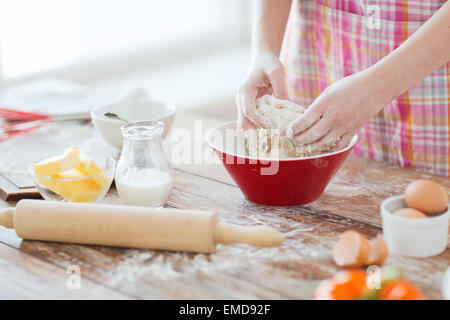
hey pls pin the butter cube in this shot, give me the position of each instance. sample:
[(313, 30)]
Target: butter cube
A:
[(88, 195), (49, 167), (49, 184), (67, 187), (91, 168), (70, 173), (78, 190)]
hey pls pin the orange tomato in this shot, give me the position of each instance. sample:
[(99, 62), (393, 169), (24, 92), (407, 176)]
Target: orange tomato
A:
[(400, 289), (344, 285)]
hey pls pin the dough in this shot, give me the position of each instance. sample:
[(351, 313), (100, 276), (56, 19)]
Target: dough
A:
[(282, 113), (270, 143)]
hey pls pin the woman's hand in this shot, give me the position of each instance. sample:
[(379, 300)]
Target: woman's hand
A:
[(341, 110), (265, 76)]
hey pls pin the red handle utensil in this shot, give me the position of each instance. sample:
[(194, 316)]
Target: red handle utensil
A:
[(10, 130), (15, 115)]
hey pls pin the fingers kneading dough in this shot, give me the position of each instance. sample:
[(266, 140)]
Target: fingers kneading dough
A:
[(378, 251), (352, 250)]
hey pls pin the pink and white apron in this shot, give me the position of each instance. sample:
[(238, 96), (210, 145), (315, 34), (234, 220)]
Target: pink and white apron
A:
[(327, 40)]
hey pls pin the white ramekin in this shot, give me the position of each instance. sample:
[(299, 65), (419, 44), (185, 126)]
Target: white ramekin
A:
[(418, 238)]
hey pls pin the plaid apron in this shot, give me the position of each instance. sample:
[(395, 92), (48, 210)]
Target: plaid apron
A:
[(327, 40)]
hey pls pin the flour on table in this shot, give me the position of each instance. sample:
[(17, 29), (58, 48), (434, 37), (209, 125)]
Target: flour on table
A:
[(270, 143)]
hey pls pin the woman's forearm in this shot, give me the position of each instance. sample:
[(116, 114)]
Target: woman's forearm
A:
[(416, 58), (266, 73), (269, 23)]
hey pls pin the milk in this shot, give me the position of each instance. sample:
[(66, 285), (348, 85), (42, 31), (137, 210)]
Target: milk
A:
[(149, 187)]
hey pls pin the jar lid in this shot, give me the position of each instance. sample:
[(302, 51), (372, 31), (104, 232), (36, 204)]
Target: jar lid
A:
[(142, 130)]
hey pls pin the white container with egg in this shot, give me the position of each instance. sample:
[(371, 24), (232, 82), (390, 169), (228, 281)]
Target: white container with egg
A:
[(412, 237)]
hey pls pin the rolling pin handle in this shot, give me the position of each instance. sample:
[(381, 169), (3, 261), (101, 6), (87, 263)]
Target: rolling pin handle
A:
[(259, 236), (7, 217)]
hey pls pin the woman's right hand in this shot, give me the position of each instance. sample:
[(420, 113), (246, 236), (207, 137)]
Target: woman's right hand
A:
[(265, 76)]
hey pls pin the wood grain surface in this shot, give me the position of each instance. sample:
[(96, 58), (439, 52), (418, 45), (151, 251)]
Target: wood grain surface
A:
[(32, 269)]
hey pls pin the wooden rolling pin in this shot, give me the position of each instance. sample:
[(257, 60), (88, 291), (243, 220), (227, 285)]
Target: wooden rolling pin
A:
[(127, 226)]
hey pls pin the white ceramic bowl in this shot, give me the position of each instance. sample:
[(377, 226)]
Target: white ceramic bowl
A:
[(131, 110), (418, 238)]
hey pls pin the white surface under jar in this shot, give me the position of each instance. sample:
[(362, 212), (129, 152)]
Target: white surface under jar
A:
[(410, 237), (144, 176)]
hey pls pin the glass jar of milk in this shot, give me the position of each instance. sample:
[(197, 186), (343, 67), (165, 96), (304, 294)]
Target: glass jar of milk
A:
[(144, 176)]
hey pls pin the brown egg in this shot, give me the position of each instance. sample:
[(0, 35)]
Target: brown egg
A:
[(351, 250), (378, 251), (426, 196), (410, 213)]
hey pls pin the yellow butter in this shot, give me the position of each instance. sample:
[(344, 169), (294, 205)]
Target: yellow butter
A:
[(91, 168), (87, 195), (68, 187), (76, 167), (78, 190), (49, 184), (49, 167)]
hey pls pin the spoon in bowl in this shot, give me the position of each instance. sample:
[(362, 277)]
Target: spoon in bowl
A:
[(114, 116)]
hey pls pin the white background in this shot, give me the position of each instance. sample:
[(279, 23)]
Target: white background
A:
[(189, 52)]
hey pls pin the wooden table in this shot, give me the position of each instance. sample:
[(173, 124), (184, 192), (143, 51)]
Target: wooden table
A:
[(32, 269)]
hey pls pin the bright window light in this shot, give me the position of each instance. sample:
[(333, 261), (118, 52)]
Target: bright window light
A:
[(43, 35), (38, 35)]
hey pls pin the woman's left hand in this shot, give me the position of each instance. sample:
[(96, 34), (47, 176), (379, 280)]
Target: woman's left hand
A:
[(341, 110)]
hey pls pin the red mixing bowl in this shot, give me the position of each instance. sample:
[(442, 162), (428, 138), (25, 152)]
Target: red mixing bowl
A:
[(281, 182)]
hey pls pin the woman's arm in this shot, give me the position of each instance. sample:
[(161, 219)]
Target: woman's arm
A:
[(421, 54), (344, 107), (266, 73), (269, 24)]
